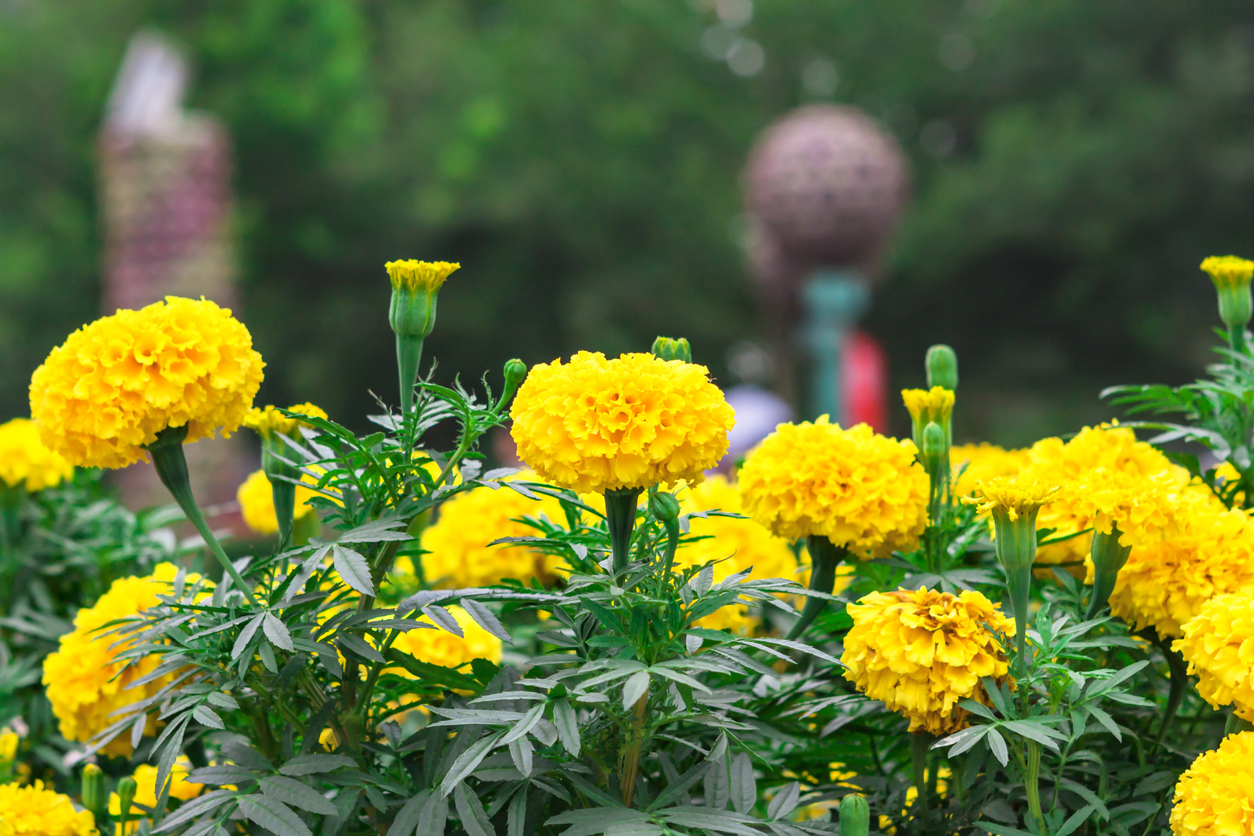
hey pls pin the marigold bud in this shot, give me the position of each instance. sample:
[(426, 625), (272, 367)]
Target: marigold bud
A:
[(127, 788), (94, 796), (415, 285), (942, 367), (855, 816), (666, 348), (664, 506), (515, 373), (1231, 276)]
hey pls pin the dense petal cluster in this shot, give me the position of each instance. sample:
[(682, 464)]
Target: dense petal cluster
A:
[(1213, 796), (268, 421), (458, 553), (35, 811), (924, 405), (411, 274), (256, 503), (921, 652), (1165, 583), (1015, 496), (861, 490), (85, 683), (1218, 644), (983, 463), (116, 383), (24, 460), (146, 790), (1228, 270), (594, 424), (440, 647)]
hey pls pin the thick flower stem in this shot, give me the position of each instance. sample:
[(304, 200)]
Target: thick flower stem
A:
[(825, 557), (631, 755), (1236, 338), (620, 515), (1031, 782), (284, 495), (408, 359), (1179, 671), (1109, 556), (171, 465), (919, 743)]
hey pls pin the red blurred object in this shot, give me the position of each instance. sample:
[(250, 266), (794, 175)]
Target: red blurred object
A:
[(864, 382)]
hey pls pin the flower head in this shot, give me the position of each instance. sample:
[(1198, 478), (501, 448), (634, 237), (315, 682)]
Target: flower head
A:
[(1228, 271), (439, 647), (1218, 644), (35, 811), (24, 460), (113, 385), (594, 425), (458, 554), (411, 274), (935, 404), (1011, 496), (146, 790), (268, 421), (256, 503), (861, 490), (921, 652), (84, 680), (984, 462), (1213, 795)]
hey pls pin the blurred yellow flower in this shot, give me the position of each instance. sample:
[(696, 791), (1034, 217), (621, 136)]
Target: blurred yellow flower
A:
[(256, 503), (411, 274), (146, 791), (24, 460), (921, 652), (984, 462), (1218, 644), (268, 421), (1228, 270), (35, 811), (9, 741), (439, 647), (113, 385), (925, 405), (595, 425), (1213, 796), (861, 490)]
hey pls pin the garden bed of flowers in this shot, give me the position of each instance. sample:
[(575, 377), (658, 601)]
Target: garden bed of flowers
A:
[(852, 633)]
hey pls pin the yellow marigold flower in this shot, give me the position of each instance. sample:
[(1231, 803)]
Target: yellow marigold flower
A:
[(1213, 797), (9, 741), (24, 460), (1017, 497), (146, 791), (116, 383), (256, 503), (35, 811), (1165, 583), (440, 647), (1228, 270), (861, 490), (1218, 644), (984, 462), (595, 425), (83, 681), (920, 652), (410, 274), (924, 405), (268, 421), (458, 554)]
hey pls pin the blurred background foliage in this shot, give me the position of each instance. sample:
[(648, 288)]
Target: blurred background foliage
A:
[(1073, 162)]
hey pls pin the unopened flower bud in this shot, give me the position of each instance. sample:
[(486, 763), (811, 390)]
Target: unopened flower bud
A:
[(1231, 276), (126, 795), (1109, 556), (935, 448), (94, 796), (515, 372), (666, 348), (664, 506), (855, 816), (942, 367), (415, 285)]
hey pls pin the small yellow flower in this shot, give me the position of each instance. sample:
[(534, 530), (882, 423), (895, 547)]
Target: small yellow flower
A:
[(1013, 496), (146, 791), (1213, 797), (24, 460), (921, 652), (1218, 644), (1228, 271), (35, 811), (410, 274), (9, 741), (256, 502), (268, 421), (935, 404)]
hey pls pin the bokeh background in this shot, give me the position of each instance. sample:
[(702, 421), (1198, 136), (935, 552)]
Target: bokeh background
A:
[(1072, 162)]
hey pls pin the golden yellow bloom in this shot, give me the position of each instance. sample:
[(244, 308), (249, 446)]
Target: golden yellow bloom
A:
[(1218, 644), (861, 490), (595, 425), (920, 652), (440, 647), (9, 741), (984, 462), (458, 554), (1213, 797), (116, 383), (1228, 270), (256, 503), (411, 274), (1016, 496), (268, 421), (84, 683), (35, 811), (24, 460), (1165, 583), (146, 791), (924, 405)]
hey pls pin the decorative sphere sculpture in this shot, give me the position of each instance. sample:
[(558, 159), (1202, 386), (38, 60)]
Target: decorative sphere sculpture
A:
[(827, 185)]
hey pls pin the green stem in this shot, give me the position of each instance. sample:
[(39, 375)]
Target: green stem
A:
[(408, 359), (620, 515), (171, 466), (919, 743), (1032, 782), (1109, 556), (1236, 338), (1236, 725), (825, 557), (284, 496), (1179, 671), (631, 755)]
